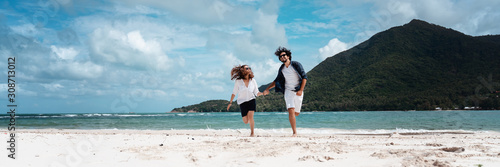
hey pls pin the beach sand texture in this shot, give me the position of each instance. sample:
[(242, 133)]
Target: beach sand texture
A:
[(51, 147)]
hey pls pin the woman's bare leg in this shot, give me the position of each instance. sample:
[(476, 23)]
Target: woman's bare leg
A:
[(252, 122)]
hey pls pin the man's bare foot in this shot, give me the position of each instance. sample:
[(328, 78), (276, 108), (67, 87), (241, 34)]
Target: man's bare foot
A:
[(252, 135), (294, 135)]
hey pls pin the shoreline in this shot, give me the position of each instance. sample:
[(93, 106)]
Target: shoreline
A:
[(76, 147), (267, 132), (193, 111)]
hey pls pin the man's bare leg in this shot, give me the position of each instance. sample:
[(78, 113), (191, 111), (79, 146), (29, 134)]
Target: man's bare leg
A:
[(291, 118)]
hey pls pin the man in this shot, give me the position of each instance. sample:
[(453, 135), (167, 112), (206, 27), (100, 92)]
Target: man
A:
[(290, 81)]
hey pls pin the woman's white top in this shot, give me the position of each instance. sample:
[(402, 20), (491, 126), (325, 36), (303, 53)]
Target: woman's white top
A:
[(245, 93)]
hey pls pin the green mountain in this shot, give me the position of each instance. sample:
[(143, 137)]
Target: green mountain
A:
[(417, 66)]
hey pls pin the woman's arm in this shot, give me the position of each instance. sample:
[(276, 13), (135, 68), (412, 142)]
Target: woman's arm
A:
[(256, 89), (230, 102), (235, 91)]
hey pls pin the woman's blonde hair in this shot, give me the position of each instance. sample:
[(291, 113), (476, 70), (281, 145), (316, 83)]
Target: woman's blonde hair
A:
[(239, 72)]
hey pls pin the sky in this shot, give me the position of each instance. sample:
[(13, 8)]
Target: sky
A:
[(120, 56)]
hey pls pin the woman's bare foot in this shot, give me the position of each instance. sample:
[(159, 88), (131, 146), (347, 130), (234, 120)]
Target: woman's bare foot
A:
[(252, 135), (294, 135)]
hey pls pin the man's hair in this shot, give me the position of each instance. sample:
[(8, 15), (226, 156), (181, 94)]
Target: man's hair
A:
[(283, 49), (239, 72)]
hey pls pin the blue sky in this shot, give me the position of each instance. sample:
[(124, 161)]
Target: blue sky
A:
[(116, 56)]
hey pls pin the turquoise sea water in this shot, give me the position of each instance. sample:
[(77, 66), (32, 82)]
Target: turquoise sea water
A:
[(376, 120)]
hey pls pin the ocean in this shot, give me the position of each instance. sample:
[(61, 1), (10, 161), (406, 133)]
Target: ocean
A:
[(366, 121)]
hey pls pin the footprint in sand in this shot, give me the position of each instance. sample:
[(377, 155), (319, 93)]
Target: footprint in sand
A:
[(454, 149)]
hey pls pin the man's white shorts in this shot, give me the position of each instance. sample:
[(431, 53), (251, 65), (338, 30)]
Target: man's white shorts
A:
[(293, 101)]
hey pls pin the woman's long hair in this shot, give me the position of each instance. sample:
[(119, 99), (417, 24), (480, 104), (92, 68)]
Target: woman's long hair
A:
[(239, 72)]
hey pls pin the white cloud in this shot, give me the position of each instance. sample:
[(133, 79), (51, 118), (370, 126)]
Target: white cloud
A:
[(482, 22), (267, 31), (265, 71), (201, 11), (403, 9), (218, 88), (109, 45), (64, 53), (235, 27), (266, 35), (140, 94), (19, 90), (25, 92), (332, 48), (215, 74), (181, 61), (64, 2), (75, 70), (26, 29), (46, 63), (306, 27), (231, 60), (170, 32), (249, 1), (52, 87), (138, 9), (470, 17), (462, 15)]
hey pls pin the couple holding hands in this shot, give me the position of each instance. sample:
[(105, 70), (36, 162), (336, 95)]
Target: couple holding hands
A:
[(290, 81)]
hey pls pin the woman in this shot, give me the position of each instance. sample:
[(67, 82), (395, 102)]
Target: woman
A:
[(246, 89)]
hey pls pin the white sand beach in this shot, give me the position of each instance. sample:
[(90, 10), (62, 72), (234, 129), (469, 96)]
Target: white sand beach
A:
[(54, 148)]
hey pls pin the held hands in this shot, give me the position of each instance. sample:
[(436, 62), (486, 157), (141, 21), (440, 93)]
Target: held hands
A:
[(266, 92)]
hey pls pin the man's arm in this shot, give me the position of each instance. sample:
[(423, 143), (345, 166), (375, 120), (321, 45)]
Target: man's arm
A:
[(301, 71), (299, 93), (269, 87)]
